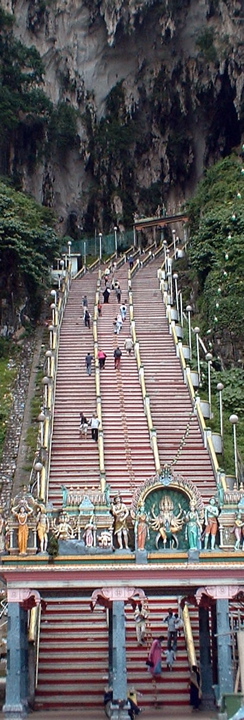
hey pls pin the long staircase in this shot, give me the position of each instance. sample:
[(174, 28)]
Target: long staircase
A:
[(74, 459), (129, 458), (73, 658), (179, 438)]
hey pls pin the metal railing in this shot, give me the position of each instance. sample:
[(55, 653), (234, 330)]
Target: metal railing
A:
[(190, 647), (39, 477), (98, 389), (187, 375)]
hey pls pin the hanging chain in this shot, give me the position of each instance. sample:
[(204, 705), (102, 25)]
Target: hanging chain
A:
[(183, 440)]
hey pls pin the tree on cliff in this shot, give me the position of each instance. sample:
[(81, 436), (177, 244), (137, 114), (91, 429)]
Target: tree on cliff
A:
[(31, 126), (24, 107), (28, 246)]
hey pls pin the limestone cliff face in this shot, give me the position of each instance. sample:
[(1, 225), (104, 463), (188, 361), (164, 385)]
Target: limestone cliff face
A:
[(159, 90)]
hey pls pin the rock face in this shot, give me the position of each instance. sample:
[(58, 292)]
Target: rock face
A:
[(158, 86)]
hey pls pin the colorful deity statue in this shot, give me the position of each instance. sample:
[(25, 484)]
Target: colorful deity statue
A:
[(22, 511), (166, 523), (193, 529), (120, 513), (238, 530), (63, 530), (42, 527), (89, 534), (141, 527), (211, 523)]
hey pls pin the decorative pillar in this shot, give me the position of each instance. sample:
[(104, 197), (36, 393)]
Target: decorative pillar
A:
[(240, 645), (114, 598), (205, 658), (224, 647), (110, 646), (119, 707), (16, 699), (222, 594), (17, 679)]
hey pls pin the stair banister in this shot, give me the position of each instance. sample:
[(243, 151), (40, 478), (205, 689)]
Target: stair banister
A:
[(34, 636), (98, 395), (189, 384), (154, 444), (173, 333), (200, 414), (187, 375), (133, 331), (191, 653), (158, 251), (212, 454), (146, 399), (137, 350)]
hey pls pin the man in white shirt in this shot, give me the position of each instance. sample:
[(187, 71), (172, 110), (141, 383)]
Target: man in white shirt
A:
[(94, 423)]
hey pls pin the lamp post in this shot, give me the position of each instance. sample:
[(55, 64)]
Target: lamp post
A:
[(165, 244), (189, 310), (115, 240), (60, 277), (175, 278), (167, 264), (45, 382), (100, 246), (48, 356), (51, 330), (196, 330), (53, 309), (38, 468), (54, 296), (170, 276), (181, 310), (84, 253), (173, 234), (234, 420), (220, 388), (208, 358), (41, 419), (69, 243)]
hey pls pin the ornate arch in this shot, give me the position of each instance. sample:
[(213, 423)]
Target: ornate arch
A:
[(168, 479)]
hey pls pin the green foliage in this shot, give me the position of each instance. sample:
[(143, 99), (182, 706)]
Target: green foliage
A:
[(7, 377), (6, 20), (111, 145), (27, 248), (216, 253), (233, 396), (21, 71), (53, 546), (63, 127), (151, 196), (27, 116), (216, 256), (205, 43), (115, 100)]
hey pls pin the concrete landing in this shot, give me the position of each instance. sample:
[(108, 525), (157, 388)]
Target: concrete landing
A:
[(163, 712)]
